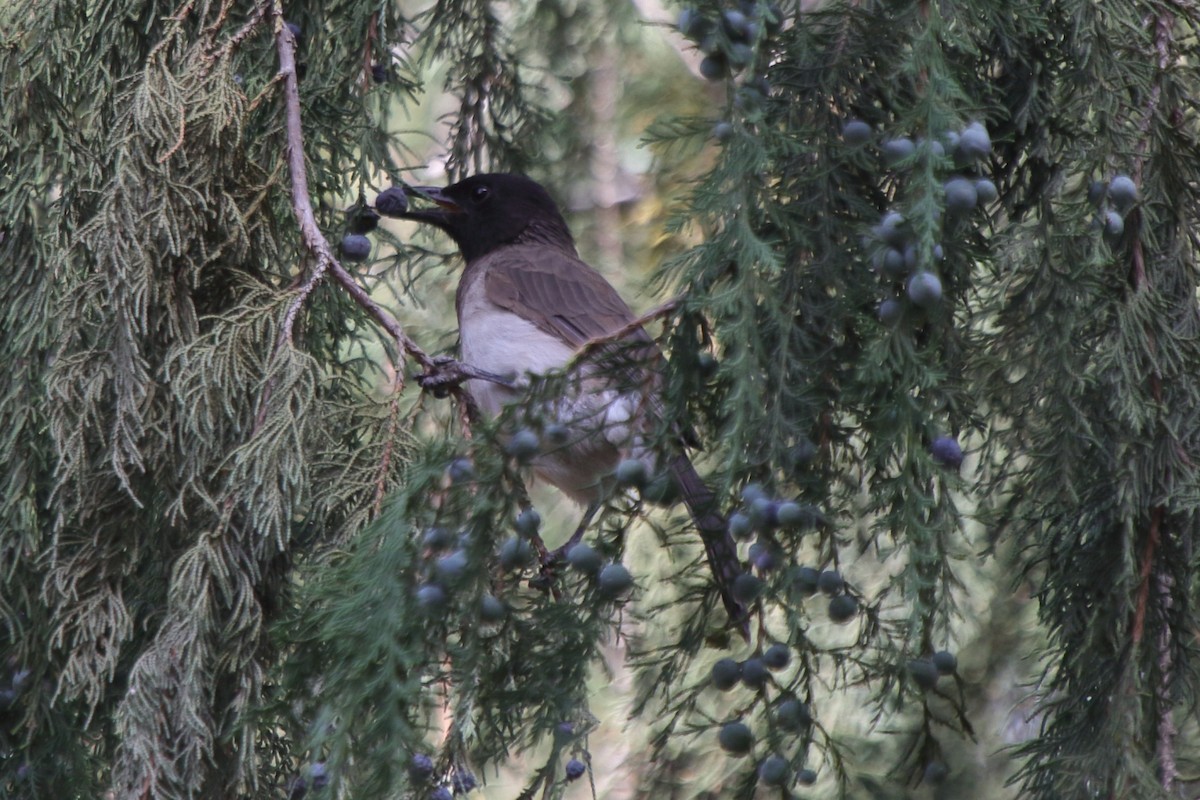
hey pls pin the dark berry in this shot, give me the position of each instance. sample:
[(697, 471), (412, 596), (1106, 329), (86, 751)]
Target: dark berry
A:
[(362, 220), (1114, 225), (945, 661), (583, 558), (461, 470), (463, 781), (1123, 192), (379, 73), (774, 771), (319, 777), (805, 580), (890, 311), (515, 553), (492, 608), (842, 608), (722, 131), (891, 228), (765, 558), (747, 587), (946, 451), (740, 525), (420, 767), (557, 433), (974, 144), (740, 55), (714, 67), (897, 152), (986, 191), (725, 674), (793, 715), (528, 521), (392, 202), (932, 149), (437, 538), (564, 732), (575, 769), (764, 513), (431, 597), (451, 568), (893, 262), (830, 582), (856, 133), (736, 738), (777, 656), (806, 777), (441, 793), (924, 289), (694, 25), (754, 673), (961, 195), (614, 581), (356, 247), (923, 673), (752, 492), (523, 445), (735, 24), (295, 29)]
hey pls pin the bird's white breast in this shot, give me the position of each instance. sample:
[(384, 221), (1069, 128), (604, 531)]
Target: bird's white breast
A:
[(499, 341)]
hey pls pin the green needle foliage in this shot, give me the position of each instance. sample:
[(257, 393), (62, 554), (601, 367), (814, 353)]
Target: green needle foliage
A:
[(243, 556)]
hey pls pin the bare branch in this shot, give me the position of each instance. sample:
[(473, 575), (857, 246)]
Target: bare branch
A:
[(593, 344), (314, 240)]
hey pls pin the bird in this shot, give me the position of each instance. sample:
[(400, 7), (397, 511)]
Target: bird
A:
[(527, 304)]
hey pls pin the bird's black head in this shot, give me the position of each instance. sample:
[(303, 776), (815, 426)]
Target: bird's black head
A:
[(485, 212)]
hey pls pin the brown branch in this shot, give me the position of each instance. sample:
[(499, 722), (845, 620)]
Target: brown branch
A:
[(173, 149), (256, 19), (1143, 592), (1165, 746), (595, 343), (368, 45), (314, 240)]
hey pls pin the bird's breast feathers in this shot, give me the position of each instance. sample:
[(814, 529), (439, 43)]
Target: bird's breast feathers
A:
[(505, 343)]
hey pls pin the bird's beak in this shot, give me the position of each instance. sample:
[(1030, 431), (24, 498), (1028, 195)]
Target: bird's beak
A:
[(445, 208)]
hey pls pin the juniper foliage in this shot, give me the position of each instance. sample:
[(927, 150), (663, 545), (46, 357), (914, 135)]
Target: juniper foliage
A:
[(241, 558)]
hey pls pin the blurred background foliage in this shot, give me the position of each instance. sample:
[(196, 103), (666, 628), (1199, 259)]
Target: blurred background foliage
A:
[(225, 501)]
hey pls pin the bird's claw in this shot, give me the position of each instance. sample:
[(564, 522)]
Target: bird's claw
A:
[(446, 373)]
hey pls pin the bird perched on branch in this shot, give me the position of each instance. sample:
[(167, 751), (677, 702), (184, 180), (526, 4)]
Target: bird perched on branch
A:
[(527, 305)]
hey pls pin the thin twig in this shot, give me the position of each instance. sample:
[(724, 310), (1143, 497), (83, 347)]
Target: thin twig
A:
[(1165, 732), (314, 240), (1165, 747), (256, 19), (597, 342)]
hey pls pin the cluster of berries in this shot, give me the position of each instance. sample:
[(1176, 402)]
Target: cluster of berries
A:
[(906, 265)]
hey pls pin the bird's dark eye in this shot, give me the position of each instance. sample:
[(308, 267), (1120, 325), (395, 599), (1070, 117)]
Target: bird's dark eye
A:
[(480, 193)]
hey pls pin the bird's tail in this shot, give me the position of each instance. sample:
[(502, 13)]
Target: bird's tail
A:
[(719, 547)]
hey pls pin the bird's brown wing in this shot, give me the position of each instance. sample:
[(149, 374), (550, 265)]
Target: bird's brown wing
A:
[(557, 292), (566, 298)]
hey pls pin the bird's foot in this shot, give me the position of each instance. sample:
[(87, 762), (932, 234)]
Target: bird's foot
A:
[(447, 372)]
